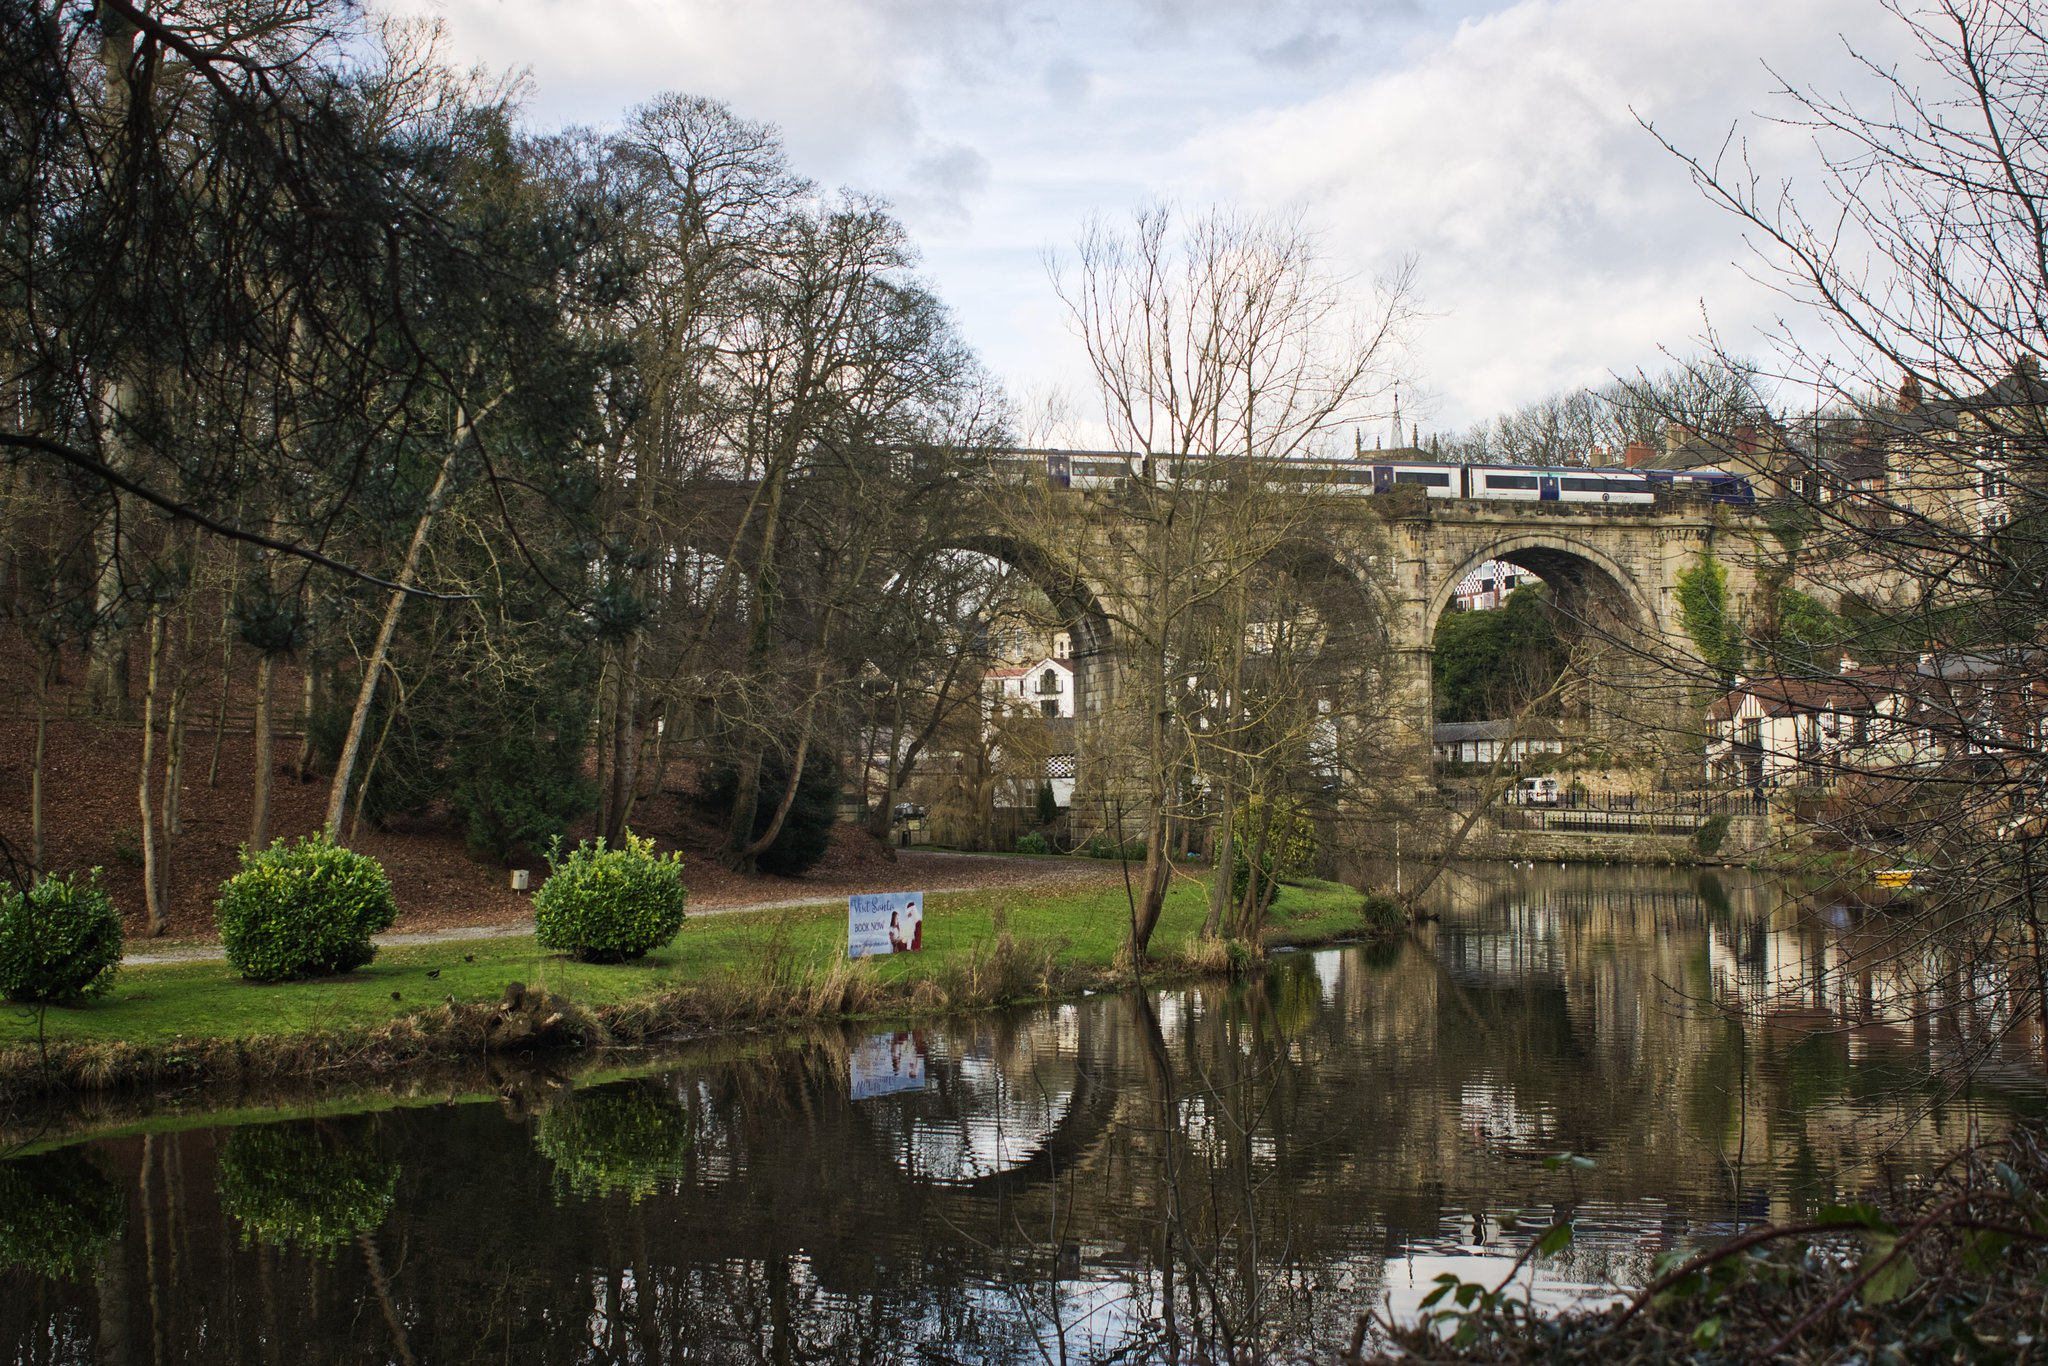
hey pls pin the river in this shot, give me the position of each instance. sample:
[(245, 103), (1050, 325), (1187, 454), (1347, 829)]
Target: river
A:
[(1103, 1178)]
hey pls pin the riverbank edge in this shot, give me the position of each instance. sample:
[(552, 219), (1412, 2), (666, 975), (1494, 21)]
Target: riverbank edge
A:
[(539, 1022)]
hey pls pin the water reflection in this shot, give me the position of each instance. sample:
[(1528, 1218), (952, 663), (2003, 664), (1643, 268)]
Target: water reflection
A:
[(1123, 1174)]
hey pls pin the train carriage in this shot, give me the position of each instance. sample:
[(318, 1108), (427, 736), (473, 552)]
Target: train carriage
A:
[(1532, 484)]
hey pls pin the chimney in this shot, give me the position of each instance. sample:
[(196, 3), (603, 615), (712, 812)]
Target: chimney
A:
[(1602, 457), (1637, 454), (1676, 434), (1909, 393), (1745, 439)]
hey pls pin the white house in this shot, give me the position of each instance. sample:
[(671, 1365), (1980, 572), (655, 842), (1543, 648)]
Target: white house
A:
[(1773, 732), (1488, 586), (1481, 742), (1046, 686)]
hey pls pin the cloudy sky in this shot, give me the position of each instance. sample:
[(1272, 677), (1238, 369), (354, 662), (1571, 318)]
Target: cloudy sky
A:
[(1556, 243)]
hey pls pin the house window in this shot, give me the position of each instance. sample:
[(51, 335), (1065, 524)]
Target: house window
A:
[(1048, 682), (1049, 707)]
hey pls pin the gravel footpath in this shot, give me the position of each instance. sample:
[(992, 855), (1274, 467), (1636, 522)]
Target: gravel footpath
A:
[(983, 871)]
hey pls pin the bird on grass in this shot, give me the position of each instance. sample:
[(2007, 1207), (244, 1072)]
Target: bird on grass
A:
[(433, 972), (394, 995), (469, 958)]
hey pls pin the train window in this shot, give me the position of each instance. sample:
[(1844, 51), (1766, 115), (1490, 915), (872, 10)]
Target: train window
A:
[(1511, 481), (1436, 479), (1599, 485)]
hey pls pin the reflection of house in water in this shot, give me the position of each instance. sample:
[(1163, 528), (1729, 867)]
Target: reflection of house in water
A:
[(1868, 972)]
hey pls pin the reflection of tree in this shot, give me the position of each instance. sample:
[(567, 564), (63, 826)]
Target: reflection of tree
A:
[(630, 1140), (1318, 1128), (310, 1185), (57, 1211)]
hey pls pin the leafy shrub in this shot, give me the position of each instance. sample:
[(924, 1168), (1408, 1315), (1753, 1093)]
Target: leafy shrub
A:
[(607, 905), (59, 941), (305, 1185), (516, 792), (1382, 914), (1048, 804), (1707, 838), (1102, 846), (1031, 842), (616, 1140), (806, 831), (57, 1211), (303, 910)]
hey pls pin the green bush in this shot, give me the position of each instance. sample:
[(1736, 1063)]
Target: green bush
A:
[(1382, 914), (607, 905), (1707, 838), (618, 1140), (1102, 846), (305, 1185), (303, 910), (1031, 842), (58, 1211), (59, 941), (806, 831), (1048, 804)]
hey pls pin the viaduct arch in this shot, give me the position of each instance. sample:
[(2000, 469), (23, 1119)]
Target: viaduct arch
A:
[(1614, 570)]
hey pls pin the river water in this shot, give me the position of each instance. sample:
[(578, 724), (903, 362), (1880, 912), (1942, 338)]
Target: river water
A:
[(1103, 1179)]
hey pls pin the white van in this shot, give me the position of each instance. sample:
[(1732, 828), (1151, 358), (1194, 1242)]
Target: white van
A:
[(1534, 792)]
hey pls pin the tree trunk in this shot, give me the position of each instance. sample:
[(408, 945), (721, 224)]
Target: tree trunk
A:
[(377, 751), (1225, 854), (266, 764), (175, 722), (739, 832), (45, 666), (625, 744), (1158, 866), (174, 766), (151, 894), (344, 767), (601, 731), (220, 711), (302, 769)]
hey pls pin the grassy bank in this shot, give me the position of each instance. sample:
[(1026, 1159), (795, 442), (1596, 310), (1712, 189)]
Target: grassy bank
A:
[(190, 1021)]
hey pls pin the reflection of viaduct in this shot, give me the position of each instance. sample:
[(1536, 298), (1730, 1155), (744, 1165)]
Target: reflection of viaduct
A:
[(1353, 1108)]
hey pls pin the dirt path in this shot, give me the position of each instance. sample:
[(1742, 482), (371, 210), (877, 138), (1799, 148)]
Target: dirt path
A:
[(982, 871)]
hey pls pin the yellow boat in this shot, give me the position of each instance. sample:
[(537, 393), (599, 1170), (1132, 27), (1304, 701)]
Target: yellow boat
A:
[(1895, 877)]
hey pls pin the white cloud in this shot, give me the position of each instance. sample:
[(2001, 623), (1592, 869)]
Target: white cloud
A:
[(1557, 240)]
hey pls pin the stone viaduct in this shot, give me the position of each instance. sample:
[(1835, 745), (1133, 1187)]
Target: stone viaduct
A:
[(1614, 569)]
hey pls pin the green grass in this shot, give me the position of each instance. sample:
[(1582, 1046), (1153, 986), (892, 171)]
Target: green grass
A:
[(157, 1005)]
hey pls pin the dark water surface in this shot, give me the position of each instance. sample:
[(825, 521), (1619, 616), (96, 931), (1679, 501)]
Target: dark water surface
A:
[(1076, 1182)]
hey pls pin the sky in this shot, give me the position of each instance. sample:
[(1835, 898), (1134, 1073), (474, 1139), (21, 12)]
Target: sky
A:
[(1555, 243)]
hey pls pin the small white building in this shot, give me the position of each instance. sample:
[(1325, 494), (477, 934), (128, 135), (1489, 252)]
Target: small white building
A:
[(1481, 742), (1488, 586), (1046, 686)]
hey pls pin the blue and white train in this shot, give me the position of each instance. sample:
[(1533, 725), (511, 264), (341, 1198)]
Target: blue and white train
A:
[(1513, 483)]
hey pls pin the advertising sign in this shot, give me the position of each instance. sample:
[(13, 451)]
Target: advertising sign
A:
[(885, 1063), (886, 922)]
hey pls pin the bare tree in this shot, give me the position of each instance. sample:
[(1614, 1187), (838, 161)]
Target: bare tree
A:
[(1903, 629), (1221, 350)]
